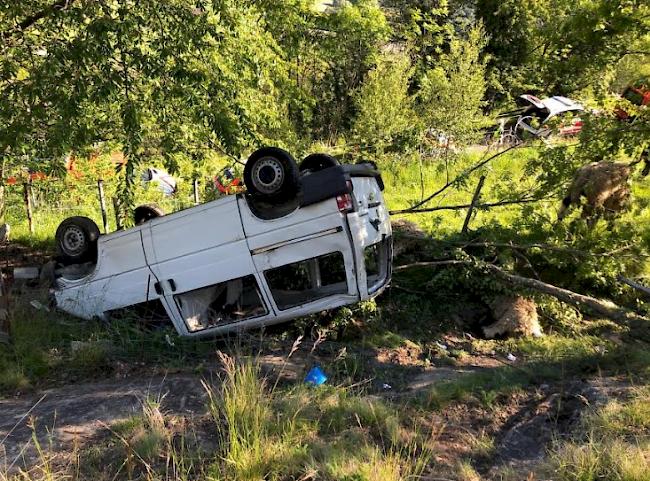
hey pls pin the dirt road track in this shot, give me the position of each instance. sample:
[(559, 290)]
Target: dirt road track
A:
[(79, 412)]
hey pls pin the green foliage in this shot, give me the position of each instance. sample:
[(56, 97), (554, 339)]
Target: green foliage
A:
[(451, 97), (555, 46), (332, 431), (611, 444), (386, 120)]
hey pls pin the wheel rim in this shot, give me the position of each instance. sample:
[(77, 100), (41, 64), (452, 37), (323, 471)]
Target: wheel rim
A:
[(268, 175), (74, 240)]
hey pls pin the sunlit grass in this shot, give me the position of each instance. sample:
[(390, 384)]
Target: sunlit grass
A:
[(615, 444), (305, 431)]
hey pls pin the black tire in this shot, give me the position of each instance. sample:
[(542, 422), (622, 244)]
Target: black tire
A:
[(316, 162), (272, 173), (146, 212), (369, 162), (76, 240)]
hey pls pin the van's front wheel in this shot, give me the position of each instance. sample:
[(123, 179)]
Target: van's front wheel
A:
[(271, 172), (76, 240)]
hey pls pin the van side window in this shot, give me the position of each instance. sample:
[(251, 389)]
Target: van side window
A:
[(307, 280), (222, 303), (376, 259)]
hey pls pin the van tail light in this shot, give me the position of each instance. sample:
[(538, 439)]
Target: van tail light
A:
[(344, 202)]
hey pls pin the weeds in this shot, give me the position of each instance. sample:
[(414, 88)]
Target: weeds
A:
[(277, 435), (614, 444)]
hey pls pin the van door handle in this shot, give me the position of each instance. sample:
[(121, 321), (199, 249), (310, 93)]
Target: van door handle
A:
[(158, 288)]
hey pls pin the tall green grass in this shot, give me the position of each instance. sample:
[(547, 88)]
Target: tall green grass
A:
[(306, 433)]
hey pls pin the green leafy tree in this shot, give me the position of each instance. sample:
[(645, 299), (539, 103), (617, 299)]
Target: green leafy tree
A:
[(149, 78), (451, 96), (386, 120)]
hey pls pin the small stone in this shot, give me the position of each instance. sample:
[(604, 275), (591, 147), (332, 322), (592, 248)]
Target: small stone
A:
[(39, 306), (26, 273)]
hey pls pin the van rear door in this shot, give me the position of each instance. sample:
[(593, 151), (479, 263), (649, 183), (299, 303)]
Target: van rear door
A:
[(371, 232)]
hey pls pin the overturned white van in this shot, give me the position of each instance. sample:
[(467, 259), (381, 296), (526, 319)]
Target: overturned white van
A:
[(300, 241)]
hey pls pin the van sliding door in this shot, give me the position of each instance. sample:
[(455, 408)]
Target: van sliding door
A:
[(203, 268)]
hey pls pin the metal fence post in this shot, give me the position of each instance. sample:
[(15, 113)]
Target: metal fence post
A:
[(116, 206), (102, 204), (27, 197), (196, 191)]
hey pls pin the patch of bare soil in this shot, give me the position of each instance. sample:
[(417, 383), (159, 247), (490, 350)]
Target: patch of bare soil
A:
[(79, 413), (521, 428)]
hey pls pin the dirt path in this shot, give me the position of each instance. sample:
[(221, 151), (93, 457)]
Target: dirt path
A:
[(80, 412)]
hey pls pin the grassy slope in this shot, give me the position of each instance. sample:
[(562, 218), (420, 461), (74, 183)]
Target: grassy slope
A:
[(323, 426)]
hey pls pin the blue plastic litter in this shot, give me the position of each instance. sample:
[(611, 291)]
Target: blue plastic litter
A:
[(315, 376)]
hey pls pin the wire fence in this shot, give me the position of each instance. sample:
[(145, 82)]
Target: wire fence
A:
[(33, 209)]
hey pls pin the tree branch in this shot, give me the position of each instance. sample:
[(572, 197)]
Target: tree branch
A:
[(634, 285), (464, 174), (32, 19), (500, 203), (446, 262), (599, 307)]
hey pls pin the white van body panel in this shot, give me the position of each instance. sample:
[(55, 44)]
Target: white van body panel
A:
[(220, 254), (121, 278)]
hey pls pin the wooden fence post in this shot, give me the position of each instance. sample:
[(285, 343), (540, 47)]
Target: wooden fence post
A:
[(475, 199), (196, 191), (102, 204), (27, 197)]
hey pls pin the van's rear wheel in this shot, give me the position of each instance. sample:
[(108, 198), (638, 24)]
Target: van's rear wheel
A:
[(76, 240), (146, 212), (316, 162), (271, 172)]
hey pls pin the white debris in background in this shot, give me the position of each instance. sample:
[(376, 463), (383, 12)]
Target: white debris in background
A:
[(39, 305), (166, 183)]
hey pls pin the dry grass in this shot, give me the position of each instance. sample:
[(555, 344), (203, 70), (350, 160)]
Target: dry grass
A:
[(615, 444)]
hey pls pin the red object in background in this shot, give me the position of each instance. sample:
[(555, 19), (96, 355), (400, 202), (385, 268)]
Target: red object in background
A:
[(573, 129), (227, 183), (228, 188), (32, 176), (637, 94)]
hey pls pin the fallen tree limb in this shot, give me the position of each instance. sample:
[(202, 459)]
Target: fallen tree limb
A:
[(446, 262), (466, 206), (510, 245), (606, 309), (634, 285)]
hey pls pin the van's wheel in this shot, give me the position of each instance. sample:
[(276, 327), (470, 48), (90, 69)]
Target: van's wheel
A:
[(76, 240), (271, 172), (143, 213), (316, 162)]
